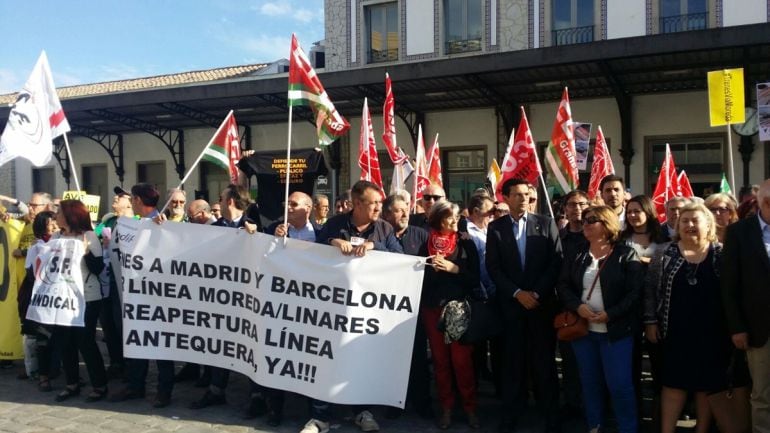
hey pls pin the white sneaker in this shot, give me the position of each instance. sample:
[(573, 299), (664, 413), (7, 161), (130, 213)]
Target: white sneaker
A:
[(315, 426), (365, 421)]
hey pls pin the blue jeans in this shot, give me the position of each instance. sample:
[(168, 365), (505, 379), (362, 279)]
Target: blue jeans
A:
[(601, 362)]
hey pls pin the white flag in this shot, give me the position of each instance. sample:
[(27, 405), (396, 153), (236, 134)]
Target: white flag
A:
[(35, 119)]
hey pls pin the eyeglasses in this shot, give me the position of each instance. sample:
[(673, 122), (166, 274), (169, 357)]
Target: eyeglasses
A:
[(577, 204), (434, 197), (591, 220), (719, 210), (178, 201)]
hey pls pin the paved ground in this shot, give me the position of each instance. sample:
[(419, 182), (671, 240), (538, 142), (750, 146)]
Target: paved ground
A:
[(25, 409)]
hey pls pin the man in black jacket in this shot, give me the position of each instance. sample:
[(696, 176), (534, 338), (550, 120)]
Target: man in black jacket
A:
[(746, 296), (523, 259)]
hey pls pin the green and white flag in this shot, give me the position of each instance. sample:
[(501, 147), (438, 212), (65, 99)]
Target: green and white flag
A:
[(724, 187)]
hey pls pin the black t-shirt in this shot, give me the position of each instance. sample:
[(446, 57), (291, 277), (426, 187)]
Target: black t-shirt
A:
[(270, 169)]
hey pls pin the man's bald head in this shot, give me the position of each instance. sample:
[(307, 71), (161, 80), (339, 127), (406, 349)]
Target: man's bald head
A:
[(431, 195), (300, 205), (199, 212)]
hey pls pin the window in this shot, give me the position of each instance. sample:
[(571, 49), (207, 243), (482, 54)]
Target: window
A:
[(214, 179), (43, 180), (573, 21), (382, 32), (681, 15), (462, 25), (701, 156), (465, 170), (95, 182), (153, 173)]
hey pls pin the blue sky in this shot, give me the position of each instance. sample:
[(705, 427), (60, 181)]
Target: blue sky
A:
[(103, 40)]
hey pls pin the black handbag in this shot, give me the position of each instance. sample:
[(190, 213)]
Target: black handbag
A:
[(484, 322)]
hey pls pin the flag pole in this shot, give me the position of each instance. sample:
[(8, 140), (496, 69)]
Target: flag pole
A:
[(730, 158), (288, 172), (197, 161), (547, 198), (72, 164)]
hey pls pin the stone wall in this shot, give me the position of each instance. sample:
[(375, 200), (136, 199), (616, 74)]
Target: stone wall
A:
[(514, 25), (337, 35)]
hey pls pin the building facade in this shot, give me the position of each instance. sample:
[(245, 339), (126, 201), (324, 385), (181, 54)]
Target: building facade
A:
[(461, 69)]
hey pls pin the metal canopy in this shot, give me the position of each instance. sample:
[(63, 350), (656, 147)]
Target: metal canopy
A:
[(618, 68)]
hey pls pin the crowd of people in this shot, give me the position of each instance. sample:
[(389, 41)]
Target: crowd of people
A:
[(692, 292)]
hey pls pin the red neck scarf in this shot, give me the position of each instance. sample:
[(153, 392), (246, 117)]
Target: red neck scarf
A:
[(441, 244)]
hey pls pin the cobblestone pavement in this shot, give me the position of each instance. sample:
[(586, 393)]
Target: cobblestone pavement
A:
[(24, 409)]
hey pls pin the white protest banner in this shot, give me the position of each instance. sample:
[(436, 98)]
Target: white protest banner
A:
[(57, 296), (300, 317)]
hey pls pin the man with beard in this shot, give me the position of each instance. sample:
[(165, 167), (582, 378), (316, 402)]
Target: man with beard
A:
[(613, 192), (177, 200), (395, 210)]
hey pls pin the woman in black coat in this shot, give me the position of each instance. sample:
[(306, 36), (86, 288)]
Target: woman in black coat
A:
[(603, 284)]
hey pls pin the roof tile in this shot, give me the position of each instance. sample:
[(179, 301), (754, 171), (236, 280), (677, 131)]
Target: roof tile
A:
[(150, 82)]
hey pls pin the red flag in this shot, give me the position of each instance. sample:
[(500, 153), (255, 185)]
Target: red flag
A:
[(683, 185), (520, 161), (434, 164), (225, 148), (560, 156), (666, 186), (389, 126), (602, 165), (306, 89), (367, 149), (421, 180)]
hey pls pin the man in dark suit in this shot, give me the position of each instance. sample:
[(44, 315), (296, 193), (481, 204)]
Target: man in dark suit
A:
[(746, 296), (523, 259)]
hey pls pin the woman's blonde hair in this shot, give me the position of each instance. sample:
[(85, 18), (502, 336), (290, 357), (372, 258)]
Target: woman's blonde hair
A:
[(609, 220), (729, 200), (711, 234)]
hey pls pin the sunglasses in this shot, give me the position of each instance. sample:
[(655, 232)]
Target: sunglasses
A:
[(719, 210), (432, 197), (591, 220)]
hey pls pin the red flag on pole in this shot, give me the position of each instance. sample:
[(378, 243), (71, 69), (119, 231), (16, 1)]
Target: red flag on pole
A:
[(602, 165), (367, 149), (434, 164), (666, 186), (421, 180), (389, 126), (683, 185), (560, 156), (520, 161), (306, 89), (225, 148)]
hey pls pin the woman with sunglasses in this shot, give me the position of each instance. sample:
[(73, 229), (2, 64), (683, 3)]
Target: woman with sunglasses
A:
[(725, 210), (643, 232), (683, 310), (602, 283)]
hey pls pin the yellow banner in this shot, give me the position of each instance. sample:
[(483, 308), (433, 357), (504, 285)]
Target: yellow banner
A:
[(91, 201), (726, 101), (11, 275)]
